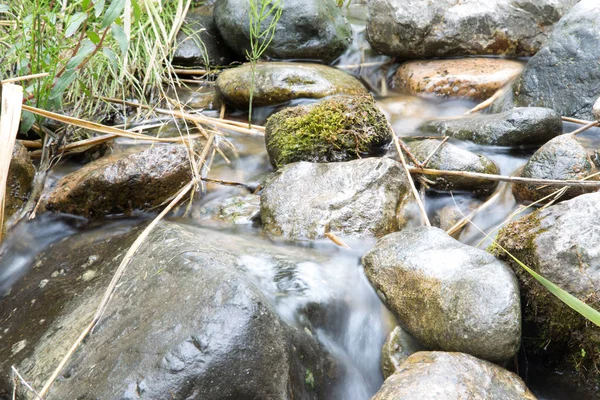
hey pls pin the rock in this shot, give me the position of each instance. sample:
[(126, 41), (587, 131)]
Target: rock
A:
[(516, 127), (447, 216), (278, 83), (355, 198), (448, 295), (452, 158), (122, 184), (186, 319), (199, 43), (340, 128), (561, 158), (19, 182), (449, 376), (564, 75), (474, 78), (422, 28), (398, 346), (596, 110), (236, 210), (562, 243), (307, 29)]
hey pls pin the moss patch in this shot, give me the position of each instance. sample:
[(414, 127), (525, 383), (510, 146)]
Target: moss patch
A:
[(341, 128)]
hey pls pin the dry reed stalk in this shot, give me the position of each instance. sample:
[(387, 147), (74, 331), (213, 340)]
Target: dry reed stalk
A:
[(430, 156), (336, 240), (585, 128), (24, 78), (486, 103), (182, 71), (575, 120), (12, 99), (465, 220)]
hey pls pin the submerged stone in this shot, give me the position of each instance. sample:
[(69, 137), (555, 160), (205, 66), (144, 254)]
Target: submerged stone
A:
[(278, 83), (448, 295), (341, 128)]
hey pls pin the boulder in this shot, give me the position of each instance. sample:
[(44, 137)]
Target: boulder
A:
[(19, 183), (564, 74), (448, 295), (307, 29), (186, 320), (355, 198), (561, 158), (516, 127), (452, 158), (473, 78), (340, 128), (423, 28), (122, 183), (199, 43), (562, 243), (278, 83), (398, 346), (452, 376)]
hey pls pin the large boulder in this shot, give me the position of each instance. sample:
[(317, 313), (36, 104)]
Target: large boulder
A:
[(516, 127), (278, 83), (562, 158), (199, 42), (341, 128), (424, 28), (474, 78), (446, 156), (452, 376), (564, 74), (307, 29), (122, 183), (187, 319), (20, 181), (355, 198), (448, 295), (561, 243)]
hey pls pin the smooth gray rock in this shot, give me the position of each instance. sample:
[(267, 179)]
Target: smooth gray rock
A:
[(442, 28), (452, 158), (278, 83), (451, 376), (562, 243), (307, 29), (516, 127), (199, 43), (355, 198), (561, 158), (398, 346), (564, 74), (186, 320), (448, 295)]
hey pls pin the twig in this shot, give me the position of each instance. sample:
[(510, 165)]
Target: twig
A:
[(24, 78), (190, 71), (362, 65), (434, 152), (585, 128), (575, 120), (486, 103), (25, 383), (336, 240), (465, 220)]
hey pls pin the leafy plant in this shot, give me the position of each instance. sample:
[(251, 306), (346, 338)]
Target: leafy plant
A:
[(264, 16)]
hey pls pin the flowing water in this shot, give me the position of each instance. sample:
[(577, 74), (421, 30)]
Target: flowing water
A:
[(357, 323)]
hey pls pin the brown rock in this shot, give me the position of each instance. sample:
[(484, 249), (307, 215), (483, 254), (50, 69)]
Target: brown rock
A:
[(121, 184), (475, 78), (20, 180)]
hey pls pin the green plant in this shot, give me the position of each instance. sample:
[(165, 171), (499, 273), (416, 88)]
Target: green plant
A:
[(261, 13)]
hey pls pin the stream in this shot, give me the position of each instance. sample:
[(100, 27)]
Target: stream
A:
[(358, 323)]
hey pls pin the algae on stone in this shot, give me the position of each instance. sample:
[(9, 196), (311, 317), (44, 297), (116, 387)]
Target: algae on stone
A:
[(341, 128)]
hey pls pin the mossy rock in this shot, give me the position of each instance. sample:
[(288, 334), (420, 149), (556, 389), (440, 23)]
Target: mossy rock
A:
[(562, 243), (341, 128)]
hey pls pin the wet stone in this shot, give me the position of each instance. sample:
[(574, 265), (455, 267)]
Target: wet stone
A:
[(20, 180), (398, 346)]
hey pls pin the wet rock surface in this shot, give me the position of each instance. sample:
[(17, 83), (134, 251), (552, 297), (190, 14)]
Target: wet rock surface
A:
[(439, 375), (355, 198), (307, 29), (278, 83), (398, 346), (452, 158), (561, 158), (186, 319), (517, 127), (564, 74), (562, 243), (199, 43), (121, 184), (448, 295), (341, 128), (474, 78), (235, 210), (422, 28), (19, 183)]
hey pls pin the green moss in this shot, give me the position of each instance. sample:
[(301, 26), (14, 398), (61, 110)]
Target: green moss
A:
[(337, 129), (309, 379)]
